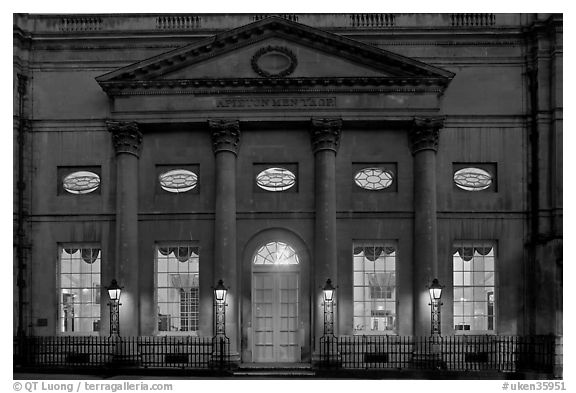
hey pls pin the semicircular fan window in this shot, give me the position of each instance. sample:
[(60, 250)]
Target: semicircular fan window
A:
[(276, 253)]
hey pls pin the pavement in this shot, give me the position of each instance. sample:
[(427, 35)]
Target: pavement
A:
[(263, 373)]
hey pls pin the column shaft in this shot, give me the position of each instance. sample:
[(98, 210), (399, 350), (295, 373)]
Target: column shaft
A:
[(325, 224), (225, 218), (325, 142), (424, 143), (225, 138), (127, 140), (425, 223)]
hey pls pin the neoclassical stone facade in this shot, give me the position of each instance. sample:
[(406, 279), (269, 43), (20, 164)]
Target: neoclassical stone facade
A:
[(276, 152)]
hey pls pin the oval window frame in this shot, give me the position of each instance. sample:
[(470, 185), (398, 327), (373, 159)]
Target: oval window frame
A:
[(178, 190), (465, 185), (79, 190), (293, 62), (382, 171), (282, 187)]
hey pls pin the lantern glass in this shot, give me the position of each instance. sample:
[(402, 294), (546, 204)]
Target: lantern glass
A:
[(220, 292), (328, 291), (435, 290), (114, 291)]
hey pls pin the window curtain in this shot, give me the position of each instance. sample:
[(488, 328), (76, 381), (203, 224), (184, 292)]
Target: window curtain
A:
[(381, 279), (373, 253), (467, 253), (184, 281), (183, 254), (90, 255)]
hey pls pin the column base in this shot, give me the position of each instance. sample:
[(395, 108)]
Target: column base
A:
[(428, 357), (124, 357), (327, 354)]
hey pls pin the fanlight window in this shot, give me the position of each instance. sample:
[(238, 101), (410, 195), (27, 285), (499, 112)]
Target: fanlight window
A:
[(472, 179), (276, 179), (178, 180), (81, 182), (373, 178), (276, 253)]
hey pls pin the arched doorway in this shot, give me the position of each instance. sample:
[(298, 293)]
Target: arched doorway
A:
[(275, 317), (276, 303)]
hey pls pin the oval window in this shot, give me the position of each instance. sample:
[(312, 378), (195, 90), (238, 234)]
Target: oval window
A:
[(178, 180), (373, 178), (81, 182), (275, 179), (472, 179), (274, 62)]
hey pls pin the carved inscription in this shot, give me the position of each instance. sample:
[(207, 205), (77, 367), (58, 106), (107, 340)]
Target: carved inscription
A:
[(277, 102)]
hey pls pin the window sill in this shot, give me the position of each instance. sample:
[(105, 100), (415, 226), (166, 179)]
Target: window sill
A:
[(81, 334), (378, 333), (178, 334), (475, 333)]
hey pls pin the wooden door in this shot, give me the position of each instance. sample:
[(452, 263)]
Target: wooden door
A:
[(275, 308)]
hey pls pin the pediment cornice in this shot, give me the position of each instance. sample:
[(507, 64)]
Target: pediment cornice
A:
[(271, 85), (397, 71)]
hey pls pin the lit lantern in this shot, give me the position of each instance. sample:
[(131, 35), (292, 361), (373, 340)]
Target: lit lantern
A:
[(329, 291), (435, 290), (114, 291), (220, 292)]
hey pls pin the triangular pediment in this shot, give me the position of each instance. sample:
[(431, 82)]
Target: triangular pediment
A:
[(274, 52)]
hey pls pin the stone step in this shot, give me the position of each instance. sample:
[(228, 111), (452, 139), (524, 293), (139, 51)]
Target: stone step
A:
[(278, 370), (274, 373)]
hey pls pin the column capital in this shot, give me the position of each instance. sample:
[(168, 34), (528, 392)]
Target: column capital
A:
[(225, 135), (424, 133), (325, 134), (126, 137)]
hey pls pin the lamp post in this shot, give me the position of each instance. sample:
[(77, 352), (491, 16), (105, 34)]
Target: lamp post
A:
[(435, 290), (328, 342), (220, 292), (114, 292), (329, 308), (220, 341)]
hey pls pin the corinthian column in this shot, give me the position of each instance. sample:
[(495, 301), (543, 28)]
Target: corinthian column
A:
[(325, 135), (225, 141), (127, 141), (424, 145)]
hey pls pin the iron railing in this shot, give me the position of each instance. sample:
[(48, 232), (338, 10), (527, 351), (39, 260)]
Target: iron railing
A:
[(455, 353), (184, 352)]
